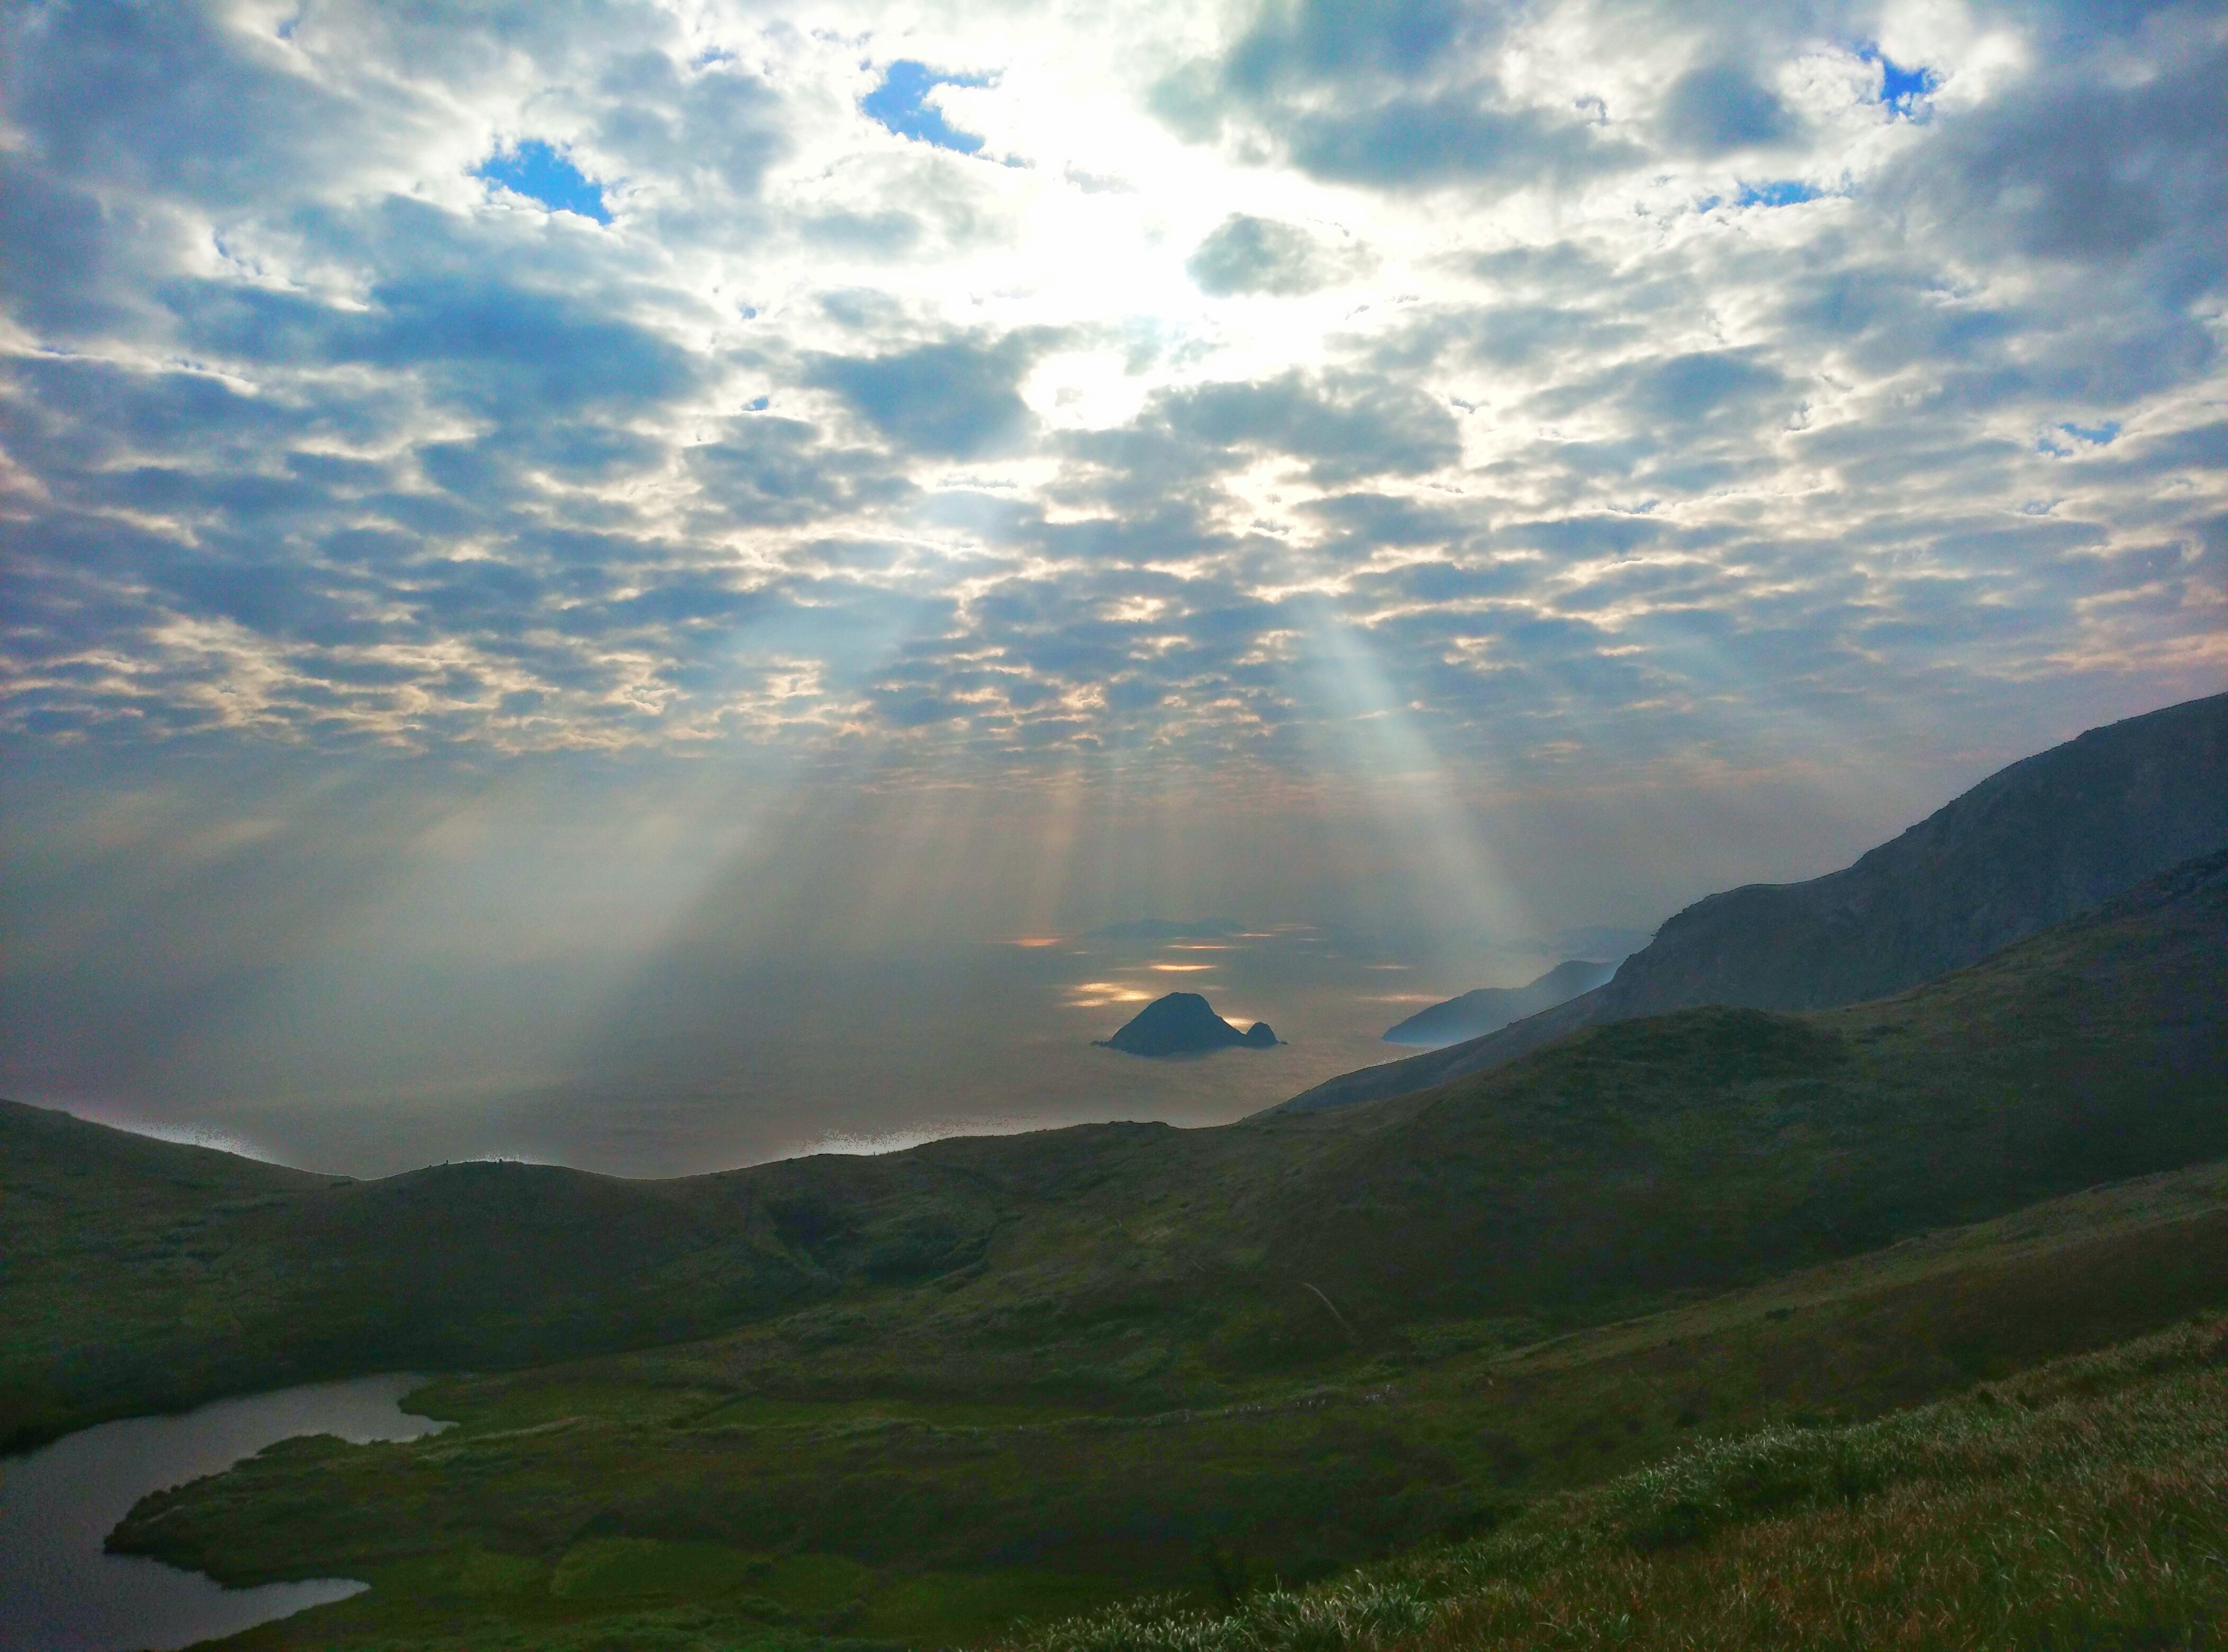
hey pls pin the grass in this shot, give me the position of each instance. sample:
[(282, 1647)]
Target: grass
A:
[(1137, 1267), (592, 1494), (915, 1396), (2082, 1505)]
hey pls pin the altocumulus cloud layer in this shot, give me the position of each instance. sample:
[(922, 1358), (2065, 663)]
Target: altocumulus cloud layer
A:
[(986, 386)]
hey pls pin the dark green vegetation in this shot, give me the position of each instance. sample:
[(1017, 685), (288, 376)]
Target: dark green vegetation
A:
[(931, 1392), (1144, 1267), (607, 1502), (2075, 1506), (2031, 846)]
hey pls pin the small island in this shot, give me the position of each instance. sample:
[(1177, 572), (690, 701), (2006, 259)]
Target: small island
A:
[(1183, 1023)]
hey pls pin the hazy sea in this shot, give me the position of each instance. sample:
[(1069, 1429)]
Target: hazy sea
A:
[(705, 1063)]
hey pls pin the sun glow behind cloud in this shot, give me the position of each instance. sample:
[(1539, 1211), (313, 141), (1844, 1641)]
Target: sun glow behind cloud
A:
[(1215, 312), (713, 475)]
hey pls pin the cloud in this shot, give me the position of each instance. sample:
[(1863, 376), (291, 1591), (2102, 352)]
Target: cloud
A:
[(1390, 96), (955, 399), (1454, 137), (1319, 40), (694, 136), (1244, 253), (161, 101), (764, 469), (481, 341), (1700, 360), (2077, 167), (1695, 387), (1717, 107), (1345, 426)]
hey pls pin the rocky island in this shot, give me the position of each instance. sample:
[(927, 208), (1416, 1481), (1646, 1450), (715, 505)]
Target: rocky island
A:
[(1183, 1023)]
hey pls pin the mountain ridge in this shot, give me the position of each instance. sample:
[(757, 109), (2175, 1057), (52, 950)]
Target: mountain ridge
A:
[(2033, 845)]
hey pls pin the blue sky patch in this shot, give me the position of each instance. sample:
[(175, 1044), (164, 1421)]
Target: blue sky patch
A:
[(2053, 442), (1782, 192), (898, 104), (540, 173), (1900, 86)]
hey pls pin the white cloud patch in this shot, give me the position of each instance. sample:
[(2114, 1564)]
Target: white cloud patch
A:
[(1016, 389)]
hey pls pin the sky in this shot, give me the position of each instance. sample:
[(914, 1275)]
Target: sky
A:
[(503, 505)]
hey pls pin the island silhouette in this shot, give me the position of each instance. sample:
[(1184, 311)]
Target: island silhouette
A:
[(1183, 1023)]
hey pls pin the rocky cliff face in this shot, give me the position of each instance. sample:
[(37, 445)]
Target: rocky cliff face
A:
[(2031, 846)]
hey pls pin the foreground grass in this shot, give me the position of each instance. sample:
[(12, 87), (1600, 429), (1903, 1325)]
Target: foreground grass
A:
[(2082, 1505), (635, 1501)]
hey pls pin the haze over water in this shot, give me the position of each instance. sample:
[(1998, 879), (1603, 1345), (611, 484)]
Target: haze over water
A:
[(574, 576), (712, 1063)]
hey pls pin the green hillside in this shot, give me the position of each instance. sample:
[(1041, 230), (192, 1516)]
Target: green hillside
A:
[(2076, 1506), (913, 1398), (668, 1498), (1628, 1167)]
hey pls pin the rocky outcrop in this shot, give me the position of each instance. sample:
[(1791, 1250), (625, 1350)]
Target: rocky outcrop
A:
[(1183, 1023)]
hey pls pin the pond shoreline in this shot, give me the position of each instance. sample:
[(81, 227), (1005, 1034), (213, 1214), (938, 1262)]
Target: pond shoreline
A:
[(60, 1591)]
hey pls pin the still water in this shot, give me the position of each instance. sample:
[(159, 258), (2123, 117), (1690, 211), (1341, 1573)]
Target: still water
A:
[(59, 1593)]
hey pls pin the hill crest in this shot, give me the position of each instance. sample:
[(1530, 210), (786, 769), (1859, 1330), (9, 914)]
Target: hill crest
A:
[(2034, 845)]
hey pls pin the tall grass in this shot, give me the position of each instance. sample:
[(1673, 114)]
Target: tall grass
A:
[(2083, 1504)]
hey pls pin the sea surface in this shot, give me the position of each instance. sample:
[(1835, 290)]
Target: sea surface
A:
[(705, 1061), (60, 1592)]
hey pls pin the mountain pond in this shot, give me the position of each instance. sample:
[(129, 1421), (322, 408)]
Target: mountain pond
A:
[(60, 1592)]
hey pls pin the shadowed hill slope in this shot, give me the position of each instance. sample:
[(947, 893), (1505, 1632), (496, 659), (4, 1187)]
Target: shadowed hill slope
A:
[(2031, 846), (1693, 1150), (1684, 1153), (140, 1275)]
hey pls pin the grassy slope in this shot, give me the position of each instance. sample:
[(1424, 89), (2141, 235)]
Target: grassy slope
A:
[(112, 1283), (1706, 1146), (1021, 1374), (2084, 1504), (1138, 1266), (589, 1504)]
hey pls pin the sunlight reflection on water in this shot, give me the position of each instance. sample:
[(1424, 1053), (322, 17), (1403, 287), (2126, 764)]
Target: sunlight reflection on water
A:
[(712, 1059)]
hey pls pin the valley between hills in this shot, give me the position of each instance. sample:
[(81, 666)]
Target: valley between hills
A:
[(1585, 1336)]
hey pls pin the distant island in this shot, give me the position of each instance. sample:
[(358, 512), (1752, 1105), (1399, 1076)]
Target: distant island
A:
[(1490, 1008), (1183, 1023)]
